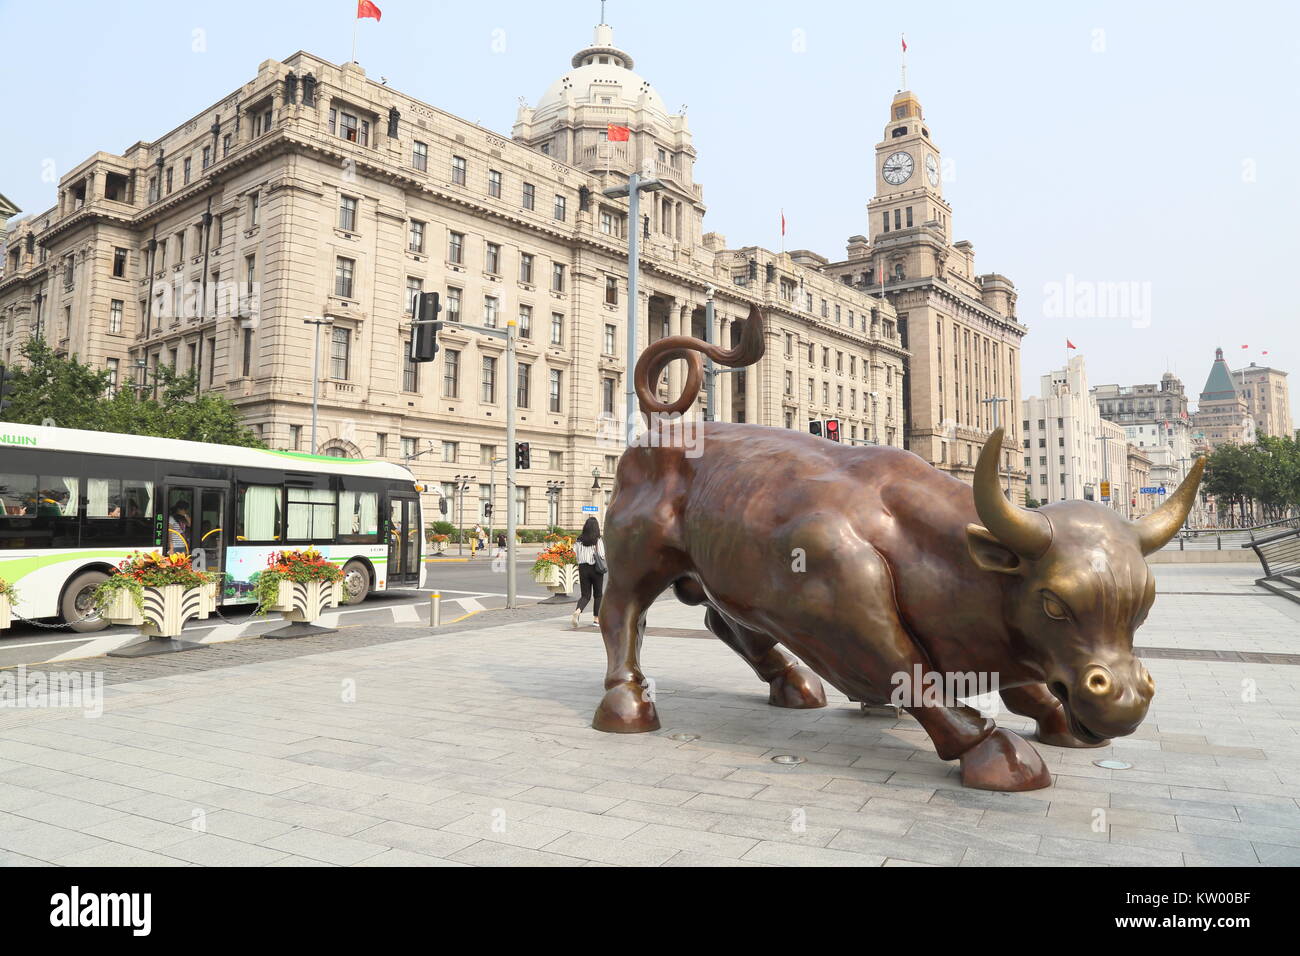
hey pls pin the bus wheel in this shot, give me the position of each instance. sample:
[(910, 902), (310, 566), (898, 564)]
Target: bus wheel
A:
[(78, 605), (356, 582)]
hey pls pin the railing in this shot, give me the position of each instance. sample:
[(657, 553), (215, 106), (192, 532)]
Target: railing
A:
[(1217, 539), (1279, 553)]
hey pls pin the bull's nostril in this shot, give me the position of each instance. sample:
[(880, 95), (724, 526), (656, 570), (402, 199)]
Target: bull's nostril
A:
[(1097, 681)]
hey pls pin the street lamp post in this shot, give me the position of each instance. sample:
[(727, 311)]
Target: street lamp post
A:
[(317, 321), (997, 401), (635, 186), (554, 489)]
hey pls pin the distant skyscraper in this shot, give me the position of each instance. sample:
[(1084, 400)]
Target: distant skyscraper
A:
[(1223, 415), (1268, 399)]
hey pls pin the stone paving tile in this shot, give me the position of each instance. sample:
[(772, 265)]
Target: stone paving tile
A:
[(116, 854), (451, 736)]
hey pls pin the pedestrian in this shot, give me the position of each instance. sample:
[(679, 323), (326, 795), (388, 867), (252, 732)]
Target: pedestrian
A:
[(501, 546), (589, 549), (478, 542)]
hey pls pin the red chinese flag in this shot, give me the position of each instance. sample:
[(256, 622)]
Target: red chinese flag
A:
[(618, 134), (904, 42), (1245, 346), (1070, 345), (783, 222), (1265, 352), (367, 9)]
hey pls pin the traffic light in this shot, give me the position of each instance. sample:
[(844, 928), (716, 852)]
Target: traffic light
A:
[(815, 427), (6, 386), (442, 505), (424, 331), (833, 429), (522, 459), (487, 509)]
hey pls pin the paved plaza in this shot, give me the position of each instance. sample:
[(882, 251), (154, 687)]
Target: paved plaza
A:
[(394, 745)]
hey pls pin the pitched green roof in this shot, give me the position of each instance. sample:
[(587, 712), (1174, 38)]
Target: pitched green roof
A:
[(1219, 384)]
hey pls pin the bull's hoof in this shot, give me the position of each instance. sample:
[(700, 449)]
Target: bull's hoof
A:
[(626, 709), (796, 687), (1004, 761)]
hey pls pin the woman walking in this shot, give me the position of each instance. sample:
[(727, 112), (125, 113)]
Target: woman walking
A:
[(589, 549)]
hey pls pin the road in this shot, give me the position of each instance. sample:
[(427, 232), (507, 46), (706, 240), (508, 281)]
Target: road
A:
[(467, 587)]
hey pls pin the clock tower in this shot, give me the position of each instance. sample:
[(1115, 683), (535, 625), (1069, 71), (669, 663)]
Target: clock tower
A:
[(960, 326)]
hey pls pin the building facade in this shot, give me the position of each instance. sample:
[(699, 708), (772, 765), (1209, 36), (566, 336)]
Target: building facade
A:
[(1068, 449), (959, 324), (1223, 415), (315, 193), (1268, 399)]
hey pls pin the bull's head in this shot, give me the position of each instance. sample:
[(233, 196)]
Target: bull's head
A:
[(1081, 587)]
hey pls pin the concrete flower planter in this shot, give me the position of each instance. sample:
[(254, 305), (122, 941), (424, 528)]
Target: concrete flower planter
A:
[(548, 576), (566, 579), (166, 609), (301, 604), (4, 611)]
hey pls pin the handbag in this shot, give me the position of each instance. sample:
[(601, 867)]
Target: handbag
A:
[(601, 566)]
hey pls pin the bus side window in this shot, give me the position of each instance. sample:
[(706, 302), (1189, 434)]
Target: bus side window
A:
[(257, 516), (17, 516), (311, 514), (358, 513)]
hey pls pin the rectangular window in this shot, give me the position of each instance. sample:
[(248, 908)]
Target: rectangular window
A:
[(226, 142), (611, 290), (525, 321), (186, 169), (119, 263), (607, 396), (557, 277), (115, 309), (489, 390), (114, 367), (340, 353), (491, 307), (415, 241), (452, 309), (450, 452), (456, 248), (555, 382), (526, 268), (451, 374), (414, 287), (560, 207), (343, 275), (347, 214), (310, 514), (248, 353), (257, 513), (530, 196), (358, 516), (420, 156), (524, 382), (610, 332), (410, 369), (207, 156), (494, 183), (254, 204), (492, 259), (458, 170), (557, 328)]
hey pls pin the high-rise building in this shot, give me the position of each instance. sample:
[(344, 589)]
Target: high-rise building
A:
[(1268, 399), (960, 325), (1223, 415), (312, 191)]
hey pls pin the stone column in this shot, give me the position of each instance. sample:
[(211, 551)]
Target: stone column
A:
[(752, 414), (723, 390), (675, 316)]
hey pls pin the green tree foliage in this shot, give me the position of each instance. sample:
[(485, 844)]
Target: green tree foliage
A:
[(1266, 473), (72, 394)]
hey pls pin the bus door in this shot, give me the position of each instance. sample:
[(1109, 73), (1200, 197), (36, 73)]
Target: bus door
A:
[(403, 541), (192, 521)]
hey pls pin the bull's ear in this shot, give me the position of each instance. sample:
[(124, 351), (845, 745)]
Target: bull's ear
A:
[(990, 554)]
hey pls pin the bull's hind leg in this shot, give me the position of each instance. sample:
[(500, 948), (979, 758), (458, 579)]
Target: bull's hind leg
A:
[(628, 706), (1036, 701), (789, 683)]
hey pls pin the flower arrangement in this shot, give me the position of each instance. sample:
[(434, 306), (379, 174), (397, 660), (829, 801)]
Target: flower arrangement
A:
[(300, 567), (148, 569), (7, 590), (556, 555), (440, 538)]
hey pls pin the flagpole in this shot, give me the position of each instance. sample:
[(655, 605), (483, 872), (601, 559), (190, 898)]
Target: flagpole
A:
[(355, 21)]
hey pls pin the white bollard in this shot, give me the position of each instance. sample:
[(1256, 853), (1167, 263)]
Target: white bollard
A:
[(435, 609)]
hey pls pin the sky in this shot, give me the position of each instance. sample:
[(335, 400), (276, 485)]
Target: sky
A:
[(1131, 167)]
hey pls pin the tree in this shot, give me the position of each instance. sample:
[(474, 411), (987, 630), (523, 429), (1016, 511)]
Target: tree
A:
[(71, 394)]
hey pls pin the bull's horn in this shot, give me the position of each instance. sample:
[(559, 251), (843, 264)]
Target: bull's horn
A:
[(1155, 530), (1025, 532)]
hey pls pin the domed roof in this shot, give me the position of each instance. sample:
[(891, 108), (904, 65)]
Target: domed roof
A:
[(601, 72)]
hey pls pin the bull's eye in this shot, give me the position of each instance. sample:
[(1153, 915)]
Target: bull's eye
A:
[(1055, 609)]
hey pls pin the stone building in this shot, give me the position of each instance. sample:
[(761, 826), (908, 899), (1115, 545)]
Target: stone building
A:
[(1222, 414), (312, 191), (1155, 418), (1268, 399), (959, 324), (1068, 448)]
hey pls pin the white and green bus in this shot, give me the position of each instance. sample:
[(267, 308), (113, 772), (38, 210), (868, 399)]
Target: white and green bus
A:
[(75, 503)]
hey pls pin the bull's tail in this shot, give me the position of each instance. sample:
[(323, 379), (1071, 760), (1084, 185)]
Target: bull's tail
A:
[(658, 354)]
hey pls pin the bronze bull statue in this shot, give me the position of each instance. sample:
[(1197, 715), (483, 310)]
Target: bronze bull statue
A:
[(869, 564)]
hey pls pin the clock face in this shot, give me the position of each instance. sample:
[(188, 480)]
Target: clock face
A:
[(898, 168), (932, 169)]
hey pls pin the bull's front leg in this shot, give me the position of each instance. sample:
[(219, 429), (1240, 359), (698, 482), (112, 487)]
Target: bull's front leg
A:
[(789, 683), (628, 706), (1037, 702)]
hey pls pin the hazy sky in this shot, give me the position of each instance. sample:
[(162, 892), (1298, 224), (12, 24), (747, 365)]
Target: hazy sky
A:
[(1130, 166)]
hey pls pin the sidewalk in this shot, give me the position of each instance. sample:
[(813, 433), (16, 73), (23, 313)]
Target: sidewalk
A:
[(398, 745)]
